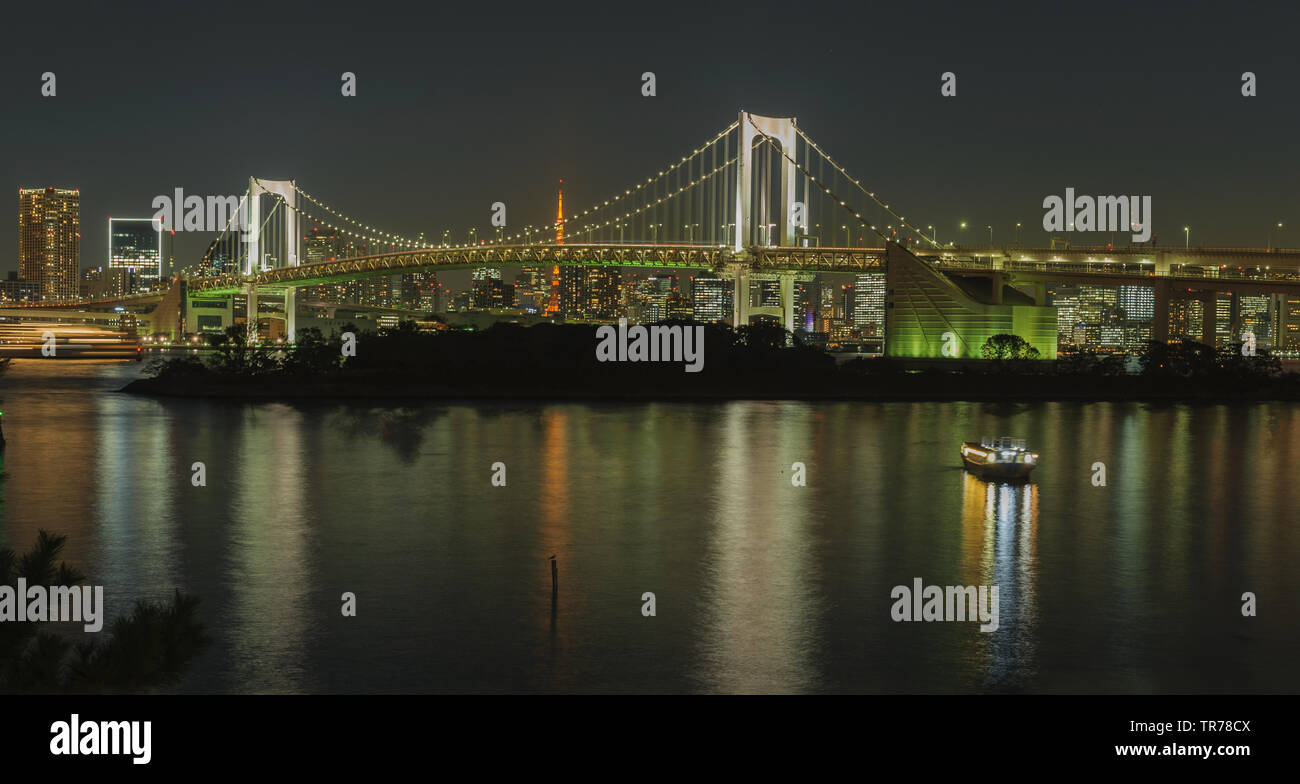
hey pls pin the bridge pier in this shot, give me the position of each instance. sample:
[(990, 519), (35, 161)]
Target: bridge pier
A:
[(787, 300), (1209, 317), (1160, 318), (1234, 318), (250, 320), (740, 296), (1040, 294), (1162, 264), (290, 315)]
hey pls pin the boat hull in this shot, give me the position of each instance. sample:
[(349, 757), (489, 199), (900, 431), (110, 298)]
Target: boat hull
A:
[(973, 461)]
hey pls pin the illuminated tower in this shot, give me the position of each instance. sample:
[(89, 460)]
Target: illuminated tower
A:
[(559, 216), (553, 303)]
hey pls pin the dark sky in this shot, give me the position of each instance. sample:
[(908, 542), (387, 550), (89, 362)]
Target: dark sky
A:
[(463, 104)]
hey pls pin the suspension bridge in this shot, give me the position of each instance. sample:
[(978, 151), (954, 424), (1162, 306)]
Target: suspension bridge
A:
[(759, 200)]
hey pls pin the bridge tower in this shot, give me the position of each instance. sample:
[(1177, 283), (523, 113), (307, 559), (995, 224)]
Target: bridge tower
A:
[(782, 129), (288, 191)]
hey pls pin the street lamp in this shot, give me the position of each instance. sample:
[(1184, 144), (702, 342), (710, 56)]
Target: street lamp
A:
[(1017, 235), (934, 235), (846, 235), (1270, 235), (990, 228), (1187, 237)]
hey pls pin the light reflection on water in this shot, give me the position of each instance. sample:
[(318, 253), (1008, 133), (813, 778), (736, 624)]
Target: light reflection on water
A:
[(760, 585)]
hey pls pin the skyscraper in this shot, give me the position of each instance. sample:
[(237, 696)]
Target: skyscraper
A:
[(601, 295), (135, 253), (659, 290), (49, 240), (1255, 315), (708, 296), (488, 288), (589, 292), (869, 304), (1137, 303)]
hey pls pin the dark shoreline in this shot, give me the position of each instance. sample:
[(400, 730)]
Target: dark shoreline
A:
[(924, 387)]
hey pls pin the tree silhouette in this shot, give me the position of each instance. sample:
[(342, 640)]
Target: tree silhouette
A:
[(147, 649)]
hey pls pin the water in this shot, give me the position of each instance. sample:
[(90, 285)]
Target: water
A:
[(759, 585)]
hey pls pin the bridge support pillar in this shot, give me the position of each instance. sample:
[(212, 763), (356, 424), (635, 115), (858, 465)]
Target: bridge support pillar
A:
[(1040, 294), (996, 281), (1234, 317), (740, 298), (290, 315), (1162, 263), (1160, 316), (250, 321), (787, 300), (1209, 317)]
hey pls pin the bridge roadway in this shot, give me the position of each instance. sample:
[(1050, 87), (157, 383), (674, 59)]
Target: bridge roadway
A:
[(1201, 268)]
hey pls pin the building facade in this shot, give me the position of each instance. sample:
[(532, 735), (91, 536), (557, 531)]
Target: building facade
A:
[(49, 240)]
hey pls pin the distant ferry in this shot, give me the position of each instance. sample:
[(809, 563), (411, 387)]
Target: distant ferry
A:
[(70, 341), (998, 458)]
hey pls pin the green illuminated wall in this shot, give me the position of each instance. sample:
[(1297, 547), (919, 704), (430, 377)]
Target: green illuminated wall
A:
[(923, 304)]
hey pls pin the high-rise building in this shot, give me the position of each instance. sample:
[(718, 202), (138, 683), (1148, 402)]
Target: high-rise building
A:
[(488, 288), (869, 304), (14, 290), (1289, 322), (49, 240), (805, 299), (570, 291), (1254, 313), (601, 295), (1096, 310), (1137, 303), (1135, 312), (826, 300), (708, 296), (531, 289), (1066, 318), (1223, 320), (589, 292), (135, 254), (660, 289), (420, 291), (319, 245)]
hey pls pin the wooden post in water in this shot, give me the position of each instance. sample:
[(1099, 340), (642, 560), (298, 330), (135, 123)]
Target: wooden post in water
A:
[(555, 579)]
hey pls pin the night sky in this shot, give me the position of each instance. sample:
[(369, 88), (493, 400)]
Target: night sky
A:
[(463, 104)]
